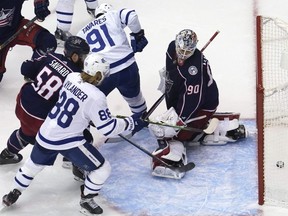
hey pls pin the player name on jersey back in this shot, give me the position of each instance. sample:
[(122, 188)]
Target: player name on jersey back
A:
[(95, 22), (59, 67), (75, 91)]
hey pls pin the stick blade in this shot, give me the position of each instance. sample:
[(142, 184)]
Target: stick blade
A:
[(189, 166)]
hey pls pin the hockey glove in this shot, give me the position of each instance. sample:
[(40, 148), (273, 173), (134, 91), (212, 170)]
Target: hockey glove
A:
[(138, 122), (87, 135), (41, 9), (138, 41)]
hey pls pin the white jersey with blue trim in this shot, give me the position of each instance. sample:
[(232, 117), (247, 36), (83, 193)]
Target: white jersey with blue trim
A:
[(79, 104), (106, 35)]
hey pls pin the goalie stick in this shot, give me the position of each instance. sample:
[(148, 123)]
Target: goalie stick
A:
[(209, 130), (156, 104), (210, 40), (28, 24), (185, 168)]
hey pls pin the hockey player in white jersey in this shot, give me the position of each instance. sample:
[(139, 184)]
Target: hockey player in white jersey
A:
[(80, 104), (106, 35)]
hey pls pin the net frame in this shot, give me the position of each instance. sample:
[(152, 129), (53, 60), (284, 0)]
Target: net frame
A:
[(272, 109)]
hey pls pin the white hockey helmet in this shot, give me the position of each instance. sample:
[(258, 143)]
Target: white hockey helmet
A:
[(96, 63), (186, 43), (102, 8)]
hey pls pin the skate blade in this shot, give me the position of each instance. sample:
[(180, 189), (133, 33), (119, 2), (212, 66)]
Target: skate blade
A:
[(86, 212)]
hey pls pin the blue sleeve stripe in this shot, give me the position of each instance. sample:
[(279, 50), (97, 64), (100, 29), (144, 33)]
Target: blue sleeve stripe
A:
[(127, 16), (112, 121)]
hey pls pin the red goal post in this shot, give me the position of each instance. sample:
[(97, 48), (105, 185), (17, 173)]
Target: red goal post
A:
[(272, 110)]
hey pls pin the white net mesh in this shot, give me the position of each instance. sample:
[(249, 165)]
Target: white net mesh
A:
[(275, 83)]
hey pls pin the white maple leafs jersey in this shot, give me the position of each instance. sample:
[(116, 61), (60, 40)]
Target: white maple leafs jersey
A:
[(79, 104), (107, 36)]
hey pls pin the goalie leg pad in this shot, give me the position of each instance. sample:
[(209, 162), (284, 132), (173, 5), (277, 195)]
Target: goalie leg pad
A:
[(172, 152), (228, 130)]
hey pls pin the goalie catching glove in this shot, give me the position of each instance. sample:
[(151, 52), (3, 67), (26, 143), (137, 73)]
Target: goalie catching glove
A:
[(138, 41)]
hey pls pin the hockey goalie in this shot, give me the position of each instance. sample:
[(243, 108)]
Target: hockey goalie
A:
[(192, 98)]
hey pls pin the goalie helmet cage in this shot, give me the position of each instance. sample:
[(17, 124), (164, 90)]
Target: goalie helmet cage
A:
[(272, 110)]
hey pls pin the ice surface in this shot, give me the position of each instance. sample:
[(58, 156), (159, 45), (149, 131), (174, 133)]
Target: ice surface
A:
[(224, 182)]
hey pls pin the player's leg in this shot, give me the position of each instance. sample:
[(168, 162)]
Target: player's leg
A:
[(129, 87), (20, 138), (39, 158), (91, 6), (97, 169), (64, 13)]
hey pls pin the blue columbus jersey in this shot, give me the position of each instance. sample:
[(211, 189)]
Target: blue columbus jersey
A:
[(10, 17), (189, 87), (48, 74)]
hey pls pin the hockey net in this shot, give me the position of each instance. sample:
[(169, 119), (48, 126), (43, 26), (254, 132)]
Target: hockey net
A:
[(272, 110)]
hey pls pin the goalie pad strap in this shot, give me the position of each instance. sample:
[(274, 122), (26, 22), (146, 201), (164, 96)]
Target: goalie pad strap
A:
[(226, 115)]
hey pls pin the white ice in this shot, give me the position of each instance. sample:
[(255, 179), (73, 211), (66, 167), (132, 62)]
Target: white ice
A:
[(224, 182)]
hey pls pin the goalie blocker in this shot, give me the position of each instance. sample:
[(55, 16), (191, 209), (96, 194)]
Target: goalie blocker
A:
[(173, 150)]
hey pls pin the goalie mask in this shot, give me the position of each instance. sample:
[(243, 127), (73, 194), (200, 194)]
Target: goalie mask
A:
[(185, 43)]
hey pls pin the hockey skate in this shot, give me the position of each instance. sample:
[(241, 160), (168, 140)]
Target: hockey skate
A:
[(61, 36), (11, 197), (88, 205), (7, 157)]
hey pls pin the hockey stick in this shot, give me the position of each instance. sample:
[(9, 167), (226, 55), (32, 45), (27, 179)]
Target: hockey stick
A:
[(210, 40), (181, 169), (209, 130), (24, 27), (156, 104)]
